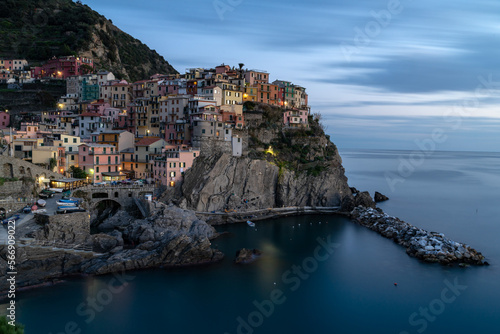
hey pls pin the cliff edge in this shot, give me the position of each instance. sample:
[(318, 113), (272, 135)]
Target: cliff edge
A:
[(280, 166)]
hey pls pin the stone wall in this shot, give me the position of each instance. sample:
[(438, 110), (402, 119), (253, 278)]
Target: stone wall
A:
[(13, 188), (212, 146), (70, 229), (12, 167)]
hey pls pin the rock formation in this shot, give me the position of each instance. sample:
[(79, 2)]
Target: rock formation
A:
[(424, 245), (245, 256), (380, 198), (170, 237)]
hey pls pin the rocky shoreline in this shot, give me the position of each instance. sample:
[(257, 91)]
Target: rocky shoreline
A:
[(427, 246), (170, 237)]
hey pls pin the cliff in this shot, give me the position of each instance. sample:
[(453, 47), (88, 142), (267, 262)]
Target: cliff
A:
[(38, 30), (280, 167)]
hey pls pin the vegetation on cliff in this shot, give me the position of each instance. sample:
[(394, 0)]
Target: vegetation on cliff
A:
[(300, 150), (40, 29)]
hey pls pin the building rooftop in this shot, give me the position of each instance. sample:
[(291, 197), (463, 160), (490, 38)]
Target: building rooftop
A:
[(147, 141), (96, 145), (90, 114)]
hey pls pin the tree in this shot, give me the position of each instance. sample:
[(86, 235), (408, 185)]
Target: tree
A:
[(52, 164), (77, 172), (5, 328)]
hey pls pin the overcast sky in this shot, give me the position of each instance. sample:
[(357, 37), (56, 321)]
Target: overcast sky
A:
[(383, 73)]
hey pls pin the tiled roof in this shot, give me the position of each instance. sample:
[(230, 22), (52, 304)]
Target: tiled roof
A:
[(147, 141), (89, 114)]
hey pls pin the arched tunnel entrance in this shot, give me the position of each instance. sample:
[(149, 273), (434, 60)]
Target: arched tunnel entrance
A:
[(103, 210)]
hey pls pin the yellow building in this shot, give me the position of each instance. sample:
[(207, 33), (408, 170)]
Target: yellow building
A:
[(250, 94), (231, 94)]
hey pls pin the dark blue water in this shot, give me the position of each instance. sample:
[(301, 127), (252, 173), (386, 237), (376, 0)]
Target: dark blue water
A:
[(350, 290)]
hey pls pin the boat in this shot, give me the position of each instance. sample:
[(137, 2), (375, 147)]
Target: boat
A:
[(69, 209), (67, 203), (11, 219), (251, 224), (68, 200), (41, 203)]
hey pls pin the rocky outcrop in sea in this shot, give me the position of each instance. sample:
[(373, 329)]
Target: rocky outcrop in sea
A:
[(419, 243)]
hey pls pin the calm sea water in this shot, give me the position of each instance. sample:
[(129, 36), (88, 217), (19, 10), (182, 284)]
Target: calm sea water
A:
[(350, 290)]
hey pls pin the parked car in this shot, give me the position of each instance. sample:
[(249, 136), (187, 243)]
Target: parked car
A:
[(11, 218)]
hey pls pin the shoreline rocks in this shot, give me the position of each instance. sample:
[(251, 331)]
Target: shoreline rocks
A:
[(245, 256), (380, 198), (171, 237), (427, 246)]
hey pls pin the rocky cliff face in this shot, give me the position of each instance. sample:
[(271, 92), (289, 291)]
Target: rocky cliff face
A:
[(224, 182), (281, 167)]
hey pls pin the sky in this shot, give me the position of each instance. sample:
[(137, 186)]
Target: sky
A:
[(384, 74)]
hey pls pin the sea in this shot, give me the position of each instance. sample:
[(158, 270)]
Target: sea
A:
[(318, 273)]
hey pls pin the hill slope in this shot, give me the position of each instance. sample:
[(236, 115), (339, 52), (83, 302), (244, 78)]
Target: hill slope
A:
[(40, 29)]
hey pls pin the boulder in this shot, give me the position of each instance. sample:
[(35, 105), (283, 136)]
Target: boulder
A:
[(244, 256), (379, 197), (364, 199), (102, 243)]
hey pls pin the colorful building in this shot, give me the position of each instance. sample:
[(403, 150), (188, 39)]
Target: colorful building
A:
[(96, 159), (4, 120), (63, 67), (170, 167)]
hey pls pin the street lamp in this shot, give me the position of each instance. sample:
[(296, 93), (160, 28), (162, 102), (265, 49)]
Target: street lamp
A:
[(93, 175)]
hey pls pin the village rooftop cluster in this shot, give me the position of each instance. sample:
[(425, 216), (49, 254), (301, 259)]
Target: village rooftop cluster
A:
[(151, 129)]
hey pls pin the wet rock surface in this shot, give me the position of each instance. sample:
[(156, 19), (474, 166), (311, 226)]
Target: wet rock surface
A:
[(380, 198), (245, 256), (427, 246)]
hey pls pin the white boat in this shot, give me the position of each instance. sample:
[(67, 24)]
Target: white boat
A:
[(67, 203), (251, 224), (57, 190), (41, 203)]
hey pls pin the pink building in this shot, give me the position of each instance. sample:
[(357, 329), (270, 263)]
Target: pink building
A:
[(4, 120), (13, 64), (98, 107), (169, 170), (222, 69), (99, 161), (63, 67), (178, 132), (295, 118), (29, 130)]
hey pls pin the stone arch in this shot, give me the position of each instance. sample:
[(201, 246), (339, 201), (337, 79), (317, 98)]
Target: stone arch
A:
[(28, 171), (116, 194), (104, 209), (8, 171), (21, 170), (100, 195)]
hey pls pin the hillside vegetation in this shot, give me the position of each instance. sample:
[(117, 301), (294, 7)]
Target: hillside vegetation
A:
[(40, 29)]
